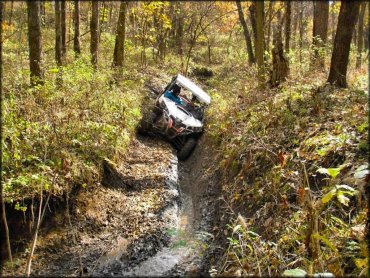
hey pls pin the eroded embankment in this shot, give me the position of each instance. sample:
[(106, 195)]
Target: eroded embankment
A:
[(150, 216)]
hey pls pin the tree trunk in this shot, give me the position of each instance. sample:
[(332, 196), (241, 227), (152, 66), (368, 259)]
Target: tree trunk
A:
[(43, 13), (209, 51), (259, 45), (247, 37), (269, 27), (287, 25), (35, 42), (58, 34), (252, 18), (63, 24), (280, 67), (119, 47), (355, 35), (301, 31), (367, 32), (332, 19), (76, 38), (320, 31), (70, 19), (339, 60), (360, 34), (11, 12), (173, 18), (295, 20), (94, 30), (1, 44), (102, 23), (320, 21)]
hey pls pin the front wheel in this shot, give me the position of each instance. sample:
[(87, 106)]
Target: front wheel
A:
[(187, 149)]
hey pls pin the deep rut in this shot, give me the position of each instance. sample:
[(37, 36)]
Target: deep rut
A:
[(158, 224), (190, 238)]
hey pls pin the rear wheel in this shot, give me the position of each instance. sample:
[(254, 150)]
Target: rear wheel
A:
[(146, 122), (187, 149)]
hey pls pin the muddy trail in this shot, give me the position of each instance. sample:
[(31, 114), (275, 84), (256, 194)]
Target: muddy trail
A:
[(152, 215)]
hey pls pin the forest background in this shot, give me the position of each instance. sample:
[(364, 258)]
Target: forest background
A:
[(289, 118)]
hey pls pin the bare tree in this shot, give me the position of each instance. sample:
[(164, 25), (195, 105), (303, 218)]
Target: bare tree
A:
[(247, 36), (339, 59), (94, 30), (35, 42), (320, 31), (76, 38), (119, 47), (360, 34)]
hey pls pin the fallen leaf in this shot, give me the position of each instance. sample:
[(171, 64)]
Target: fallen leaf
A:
[(301, 195)]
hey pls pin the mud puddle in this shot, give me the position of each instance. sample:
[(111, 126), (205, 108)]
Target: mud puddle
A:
[(189, 235), (185, 248)]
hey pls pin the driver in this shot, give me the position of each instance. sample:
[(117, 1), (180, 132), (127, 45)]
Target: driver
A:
[(174, 95)]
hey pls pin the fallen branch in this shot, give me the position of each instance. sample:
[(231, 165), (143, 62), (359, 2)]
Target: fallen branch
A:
[(39, 221), (74, 237), (33, 245)]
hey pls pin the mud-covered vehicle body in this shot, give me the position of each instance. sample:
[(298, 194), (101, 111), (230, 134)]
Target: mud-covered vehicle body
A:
[(181, 125)]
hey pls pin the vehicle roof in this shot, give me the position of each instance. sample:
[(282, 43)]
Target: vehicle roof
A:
[(193, 88)]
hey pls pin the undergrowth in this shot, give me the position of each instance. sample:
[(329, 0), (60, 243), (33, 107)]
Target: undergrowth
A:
[(292, 157), (56, 135)]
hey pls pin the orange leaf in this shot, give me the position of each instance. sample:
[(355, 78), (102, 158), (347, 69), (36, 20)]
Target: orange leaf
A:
[(282, 159), (301, 195)]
